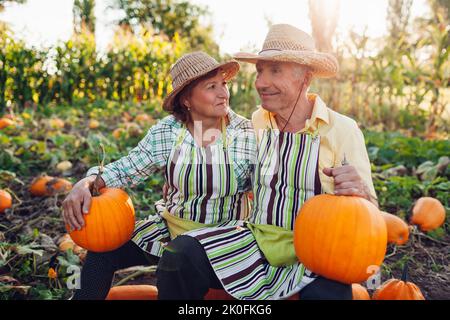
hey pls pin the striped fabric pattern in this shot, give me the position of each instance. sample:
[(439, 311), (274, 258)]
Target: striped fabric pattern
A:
[(286, 176), (154, 150)]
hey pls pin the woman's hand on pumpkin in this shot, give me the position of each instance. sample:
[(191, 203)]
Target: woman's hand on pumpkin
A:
[(347, 181), (78, 200)]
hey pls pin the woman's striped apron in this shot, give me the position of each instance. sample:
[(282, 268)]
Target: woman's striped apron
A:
[(202, 188), (286, 175)]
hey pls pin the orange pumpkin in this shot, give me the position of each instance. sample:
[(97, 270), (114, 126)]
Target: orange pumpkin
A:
[(395, 289), (397, 229), (5, 200), (109, 223), (117, 133), (133, 129), (60, 186), (428, 214), (340, 238), (144, 119), (52, 274), (39, 185), (94, 124), (65, 243), (126, 117), (5, 122), (133, 292), (56, 123), (48, 186), (359, 292)]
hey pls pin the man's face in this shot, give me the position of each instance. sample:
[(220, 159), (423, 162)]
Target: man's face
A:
[(278, 84)]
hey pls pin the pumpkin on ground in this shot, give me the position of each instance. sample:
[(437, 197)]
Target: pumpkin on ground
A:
[(133, 292), (397, 229), (56, 123), (340, 238), (5, 122), (395, 289), (144, 119), (109, 223), (133, 129), (359, 292), (117, 133), (94, 124), (49, 186), (428, 213), (5, 200), (65, 243)]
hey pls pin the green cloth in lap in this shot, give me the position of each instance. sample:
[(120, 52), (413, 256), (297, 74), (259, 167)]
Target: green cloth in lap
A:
[(177, 225), (276, 243)]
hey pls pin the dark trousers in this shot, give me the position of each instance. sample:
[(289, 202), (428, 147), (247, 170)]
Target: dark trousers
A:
[(185, 273), (98, 270)]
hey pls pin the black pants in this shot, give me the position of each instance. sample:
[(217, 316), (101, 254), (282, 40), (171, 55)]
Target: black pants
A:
[(98, 270), (185, 273)]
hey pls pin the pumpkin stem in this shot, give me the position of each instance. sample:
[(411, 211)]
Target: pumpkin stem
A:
[(101, 161), (405, 272)]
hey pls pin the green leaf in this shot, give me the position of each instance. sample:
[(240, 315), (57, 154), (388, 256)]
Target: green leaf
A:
[(25, 249)]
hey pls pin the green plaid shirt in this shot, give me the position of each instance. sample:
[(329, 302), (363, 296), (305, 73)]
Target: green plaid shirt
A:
[(154, 149)]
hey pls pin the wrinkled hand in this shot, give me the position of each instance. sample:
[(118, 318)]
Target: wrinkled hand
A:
[(77, 203), (347, 181)]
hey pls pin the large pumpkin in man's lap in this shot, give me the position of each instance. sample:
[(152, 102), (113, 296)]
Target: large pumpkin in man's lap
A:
[(340, 238)]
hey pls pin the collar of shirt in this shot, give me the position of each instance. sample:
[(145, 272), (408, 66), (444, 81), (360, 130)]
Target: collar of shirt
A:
[(319, 113)]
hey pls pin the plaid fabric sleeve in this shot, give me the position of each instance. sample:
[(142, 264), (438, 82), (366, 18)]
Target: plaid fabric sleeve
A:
[(150, 154), (244, 152)]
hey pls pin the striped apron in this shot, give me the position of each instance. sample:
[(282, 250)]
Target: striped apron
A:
[(202, 188), (286, 175)]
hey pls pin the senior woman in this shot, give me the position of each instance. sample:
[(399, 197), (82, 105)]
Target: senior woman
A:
[(207, 152)]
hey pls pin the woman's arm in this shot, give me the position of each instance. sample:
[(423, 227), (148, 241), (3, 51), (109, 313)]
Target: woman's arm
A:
[(141, 161)]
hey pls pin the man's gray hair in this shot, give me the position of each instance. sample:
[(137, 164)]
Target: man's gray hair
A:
[(300, 70)]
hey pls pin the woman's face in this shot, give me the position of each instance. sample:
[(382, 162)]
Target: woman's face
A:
[(209, 98)]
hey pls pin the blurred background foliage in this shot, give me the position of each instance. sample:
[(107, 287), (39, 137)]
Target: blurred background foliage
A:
[(399, 81)]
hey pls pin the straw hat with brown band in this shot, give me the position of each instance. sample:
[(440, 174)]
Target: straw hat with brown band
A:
[(191, 67), (287, 43)]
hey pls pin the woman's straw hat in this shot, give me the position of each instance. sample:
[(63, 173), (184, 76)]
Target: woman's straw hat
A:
[(192, 66), (287, 43)]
